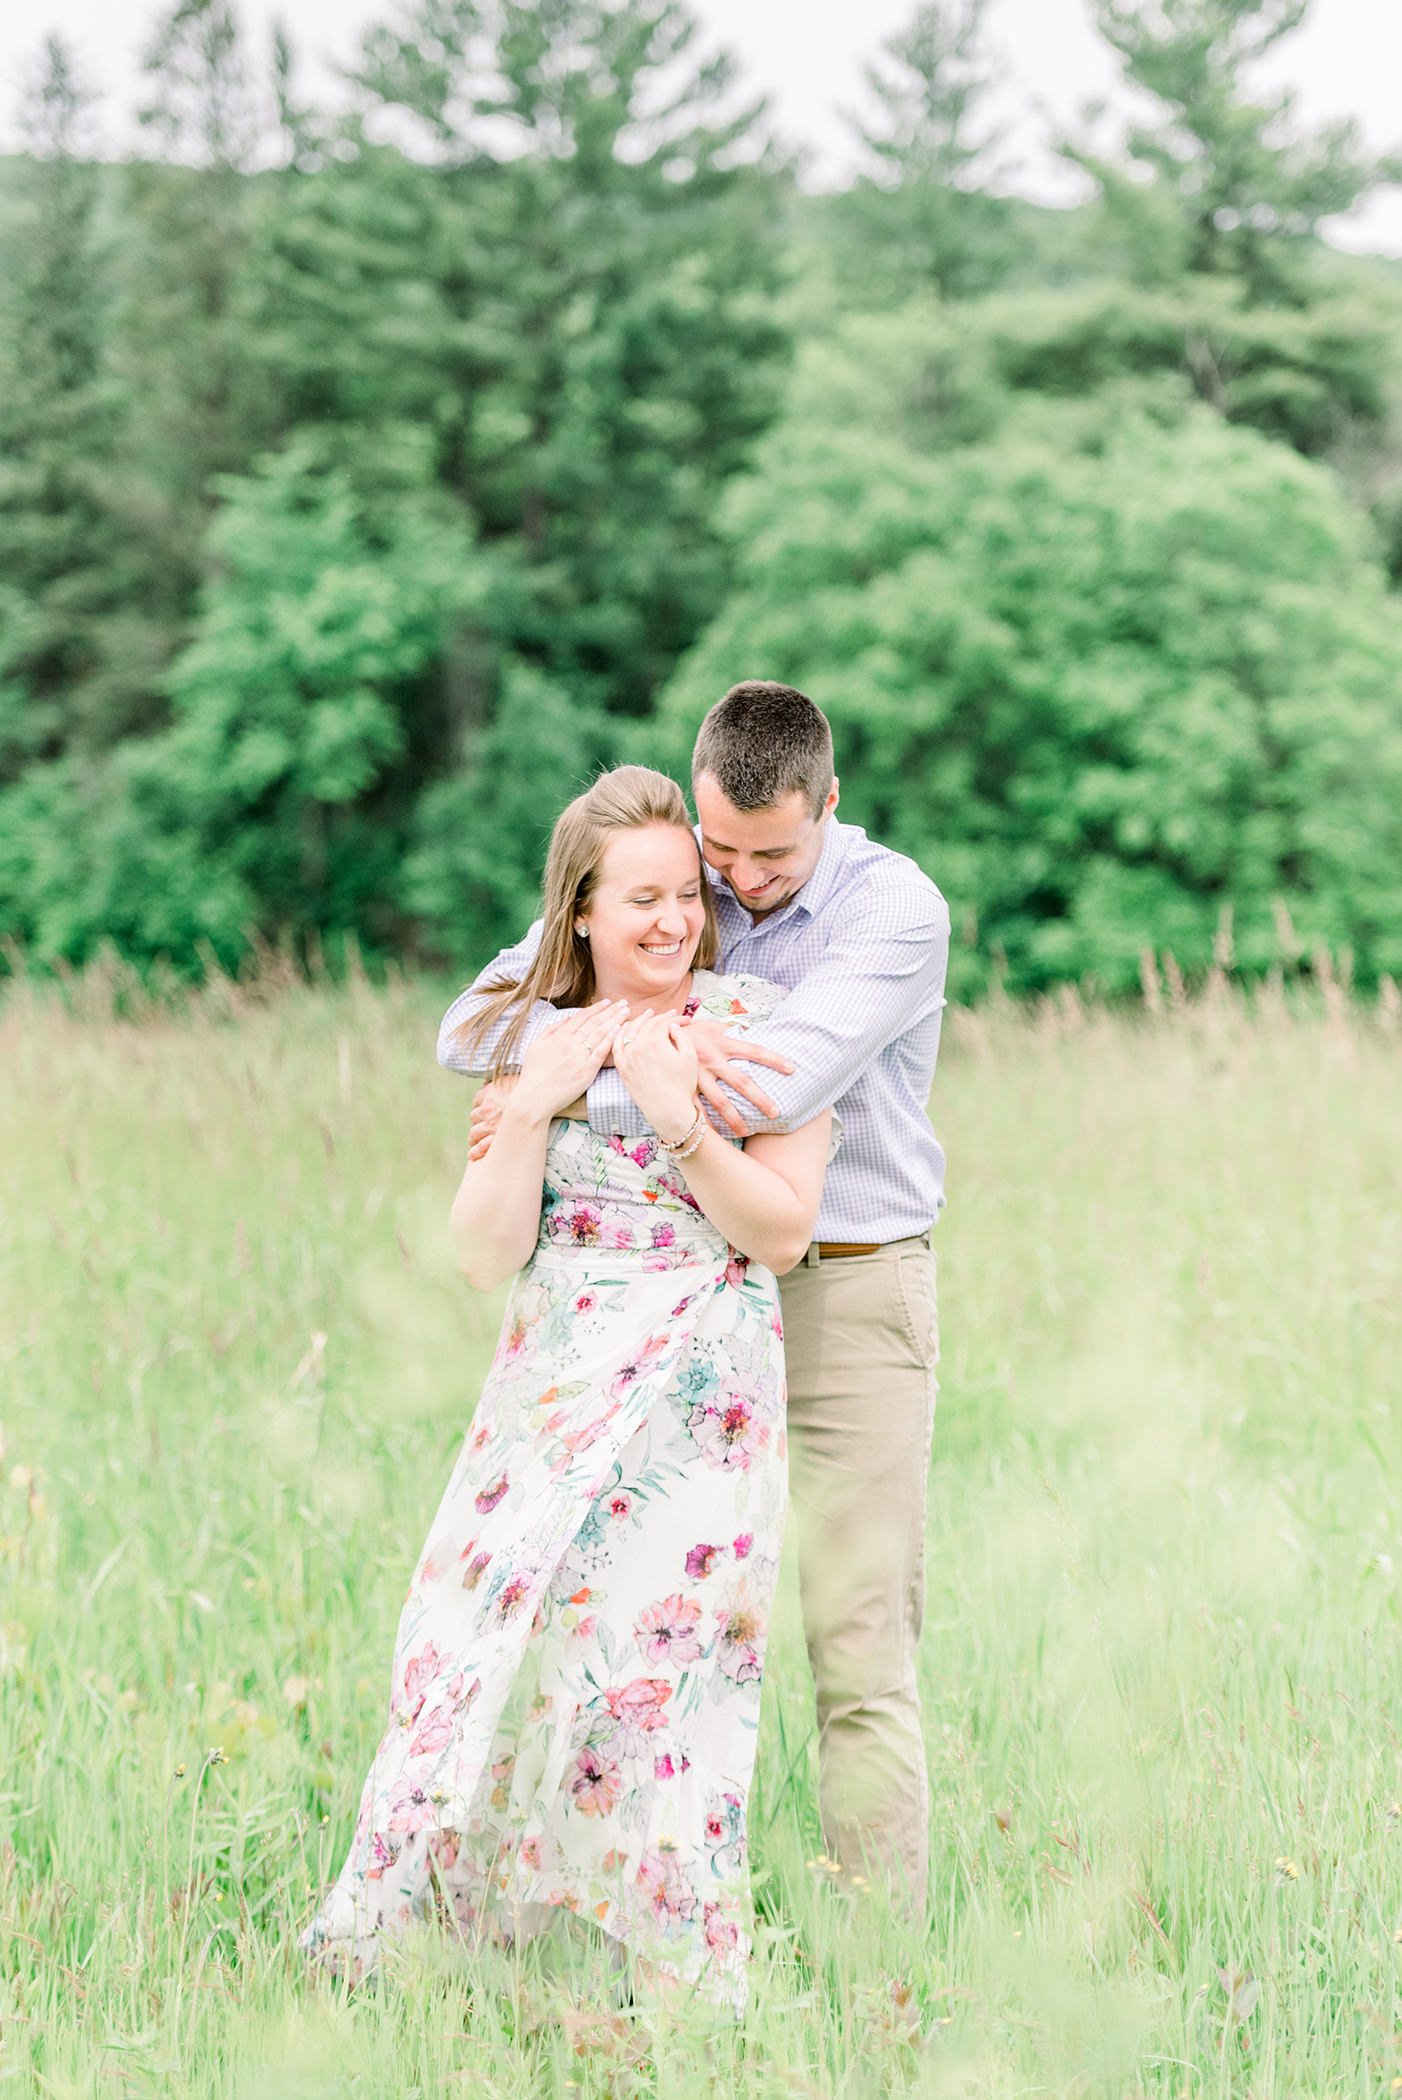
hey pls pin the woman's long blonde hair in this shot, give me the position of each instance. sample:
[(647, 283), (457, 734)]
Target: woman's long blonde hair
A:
[(563, 971)]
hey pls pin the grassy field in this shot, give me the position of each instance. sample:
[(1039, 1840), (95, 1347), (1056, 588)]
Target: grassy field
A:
[(1162, 1667)]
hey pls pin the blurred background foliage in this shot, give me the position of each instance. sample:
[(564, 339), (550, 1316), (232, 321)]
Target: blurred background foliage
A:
[(369, 477)]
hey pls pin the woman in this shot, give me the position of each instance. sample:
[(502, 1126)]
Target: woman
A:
[(576, 1679)]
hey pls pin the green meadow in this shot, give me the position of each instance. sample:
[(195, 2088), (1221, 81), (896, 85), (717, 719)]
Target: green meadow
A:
[(1162, 1659)]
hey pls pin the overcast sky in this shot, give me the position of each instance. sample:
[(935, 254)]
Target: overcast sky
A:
[(807, 55)]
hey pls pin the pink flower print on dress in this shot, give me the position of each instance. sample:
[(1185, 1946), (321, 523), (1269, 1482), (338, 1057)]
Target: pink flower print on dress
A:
[(637, 1709), (725, 1833), (735, 1269), (663, 1234), (438, 1559), (701, 1560), (728, 1430), (663, 1886), (586, 1302), (620, 1503), (511, 1599), (595, 1785), (666, 1631), (725, 1818), (663, 1768), (419, 1673), (490, 1496), (743, 1625), (722, 1933), (502, 1772), (384, 1851), (473, 1573), (435, 1733), (529, 1854), (410, 1807), (616, 1233), (743, 1544), (627, 1376), (443, 1848), (583, 1434)]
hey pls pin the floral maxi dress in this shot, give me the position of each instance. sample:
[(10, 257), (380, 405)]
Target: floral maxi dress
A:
[(576, 1680)]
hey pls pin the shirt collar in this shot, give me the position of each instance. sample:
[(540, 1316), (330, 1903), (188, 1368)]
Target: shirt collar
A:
[(819, 886)]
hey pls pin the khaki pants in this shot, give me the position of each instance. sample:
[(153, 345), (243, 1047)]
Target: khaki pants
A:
[(861, 1339)]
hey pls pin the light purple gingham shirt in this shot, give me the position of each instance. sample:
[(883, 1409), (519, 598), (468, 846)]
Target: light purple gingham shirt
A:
[(861, 951)]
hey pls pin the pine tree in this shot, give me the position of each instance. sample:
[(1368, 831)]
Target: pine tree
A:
[(63, 565), (186, 352), (568, 290), (1237, 187), (925, 218)]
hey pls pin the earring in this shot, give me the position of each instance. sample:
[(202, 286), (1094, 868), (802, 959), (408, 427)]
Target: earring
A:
[(581, 929)]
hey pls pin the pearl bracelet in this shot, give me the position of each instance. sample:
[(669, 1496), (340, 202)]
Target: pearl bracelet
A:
[(685, 1146)]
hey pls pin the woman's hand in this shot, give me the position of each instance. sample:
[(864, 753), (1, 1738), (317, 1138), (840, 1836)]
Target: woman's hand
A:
[(656, 1061), (563, 1062)]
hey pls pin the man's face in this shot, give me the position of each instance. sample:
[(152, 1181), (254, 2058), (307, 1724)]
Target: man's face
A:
[(766, 855)]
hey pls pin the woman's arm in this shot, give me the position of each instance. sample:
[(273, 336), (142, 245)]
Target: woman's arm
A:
[(764, 1198), (496, 1213)]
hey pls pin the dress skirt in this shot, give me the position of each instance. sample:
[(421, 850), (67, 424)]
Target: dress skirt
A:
[(576, 1682)]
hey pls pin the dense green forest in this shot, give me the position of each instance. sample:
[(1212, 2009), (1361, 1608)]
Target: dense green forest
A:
[(369, 476)]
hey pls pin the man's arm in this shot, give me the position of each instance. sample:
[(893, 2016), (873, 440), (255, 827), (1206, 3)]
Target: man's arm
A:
[(885, 963), (612, 1109), (511, 963)]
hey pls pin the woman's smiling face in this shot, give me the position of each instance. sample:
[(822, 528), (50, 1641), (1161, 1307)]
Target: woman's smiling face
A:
[(646, 915)]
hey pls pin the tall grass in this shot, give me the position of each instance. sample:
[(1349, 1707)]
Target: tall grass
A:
[(1162, 1661)]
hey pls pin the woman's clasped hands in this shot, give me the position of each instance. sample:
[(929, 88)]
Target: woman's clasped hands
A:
[(655, 1056), (566, 1058), (657, 1062)]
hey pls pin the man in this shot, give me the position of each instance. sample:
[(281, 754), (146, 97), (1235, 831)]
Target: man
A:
[(859, 938)]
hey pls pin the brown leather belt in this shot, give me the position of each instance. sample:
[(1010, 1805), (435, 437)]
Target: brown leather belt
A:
[(833, 1250)]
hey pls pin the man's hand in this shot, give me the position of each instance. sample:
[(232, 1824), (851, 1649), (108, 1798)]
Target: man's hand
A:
[(714, 1051), (487, 1105)]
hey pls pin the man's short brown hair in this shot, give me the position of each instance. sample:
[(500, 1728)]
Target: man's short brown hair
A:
[(761, 742)]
